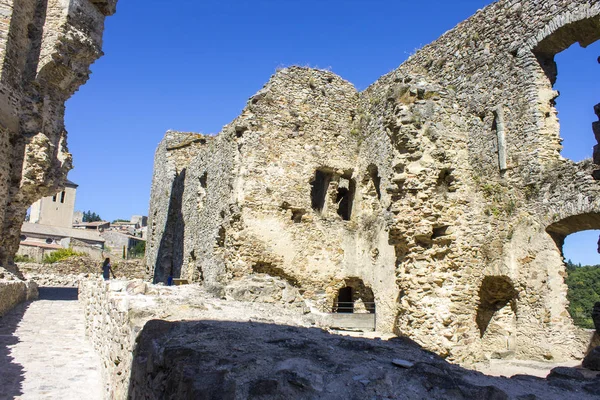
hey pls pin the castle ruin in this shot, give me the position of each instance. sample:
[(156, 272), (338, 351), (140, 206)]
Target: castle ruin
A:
[(438, 193)]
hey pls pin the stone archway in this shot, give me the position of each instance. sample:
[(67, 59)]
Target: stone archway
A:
[(580, 25), (496, 316), (566, 226), (354, 297)]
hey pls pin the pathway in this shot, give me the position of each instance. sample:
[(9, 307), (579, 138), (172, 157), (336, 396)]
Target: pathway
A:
[(43, 351)]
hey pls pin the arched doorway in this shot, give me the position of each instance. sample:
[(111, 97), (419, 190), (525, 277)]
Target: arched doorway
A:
[(354, 297)]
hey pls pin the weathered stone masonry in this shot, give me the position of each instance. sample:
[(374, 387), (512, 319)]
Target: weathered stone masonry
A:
[(46, 47), (440, 188)]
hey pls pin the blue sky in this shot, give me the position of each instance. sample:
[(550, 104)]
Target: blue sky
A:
[(192, 65)]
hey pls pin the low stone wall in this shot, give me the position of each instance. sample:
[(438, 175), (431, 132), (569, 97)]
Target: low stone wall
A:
[(116, 311), (70, 271), (56, 280), (15, 292), (109, 326)]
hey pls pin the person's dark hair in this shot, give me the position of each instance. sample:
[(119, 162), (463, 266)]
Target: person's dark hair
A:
[(106, 262)]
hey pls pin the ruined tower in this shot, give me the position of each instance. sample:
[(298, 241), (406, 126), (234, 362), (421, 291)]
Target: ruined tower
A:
[(46, 48)]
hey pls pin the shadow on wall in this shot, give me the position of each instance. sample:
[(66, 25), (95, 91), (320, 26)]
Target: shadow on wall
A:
[(169, 257), (227, 360), (11, 373), (249, 360)]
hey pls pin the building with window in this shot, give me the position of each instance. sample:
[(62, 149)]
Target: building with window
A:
[(50, 228), (56, 210), (38, 240)]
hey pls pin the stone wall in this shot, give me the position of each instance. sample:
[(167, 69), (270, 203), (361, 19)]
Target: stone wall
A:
[(117, 310), (13, 292), (159, 342), (71, 271), (440, 189), (46, 48)]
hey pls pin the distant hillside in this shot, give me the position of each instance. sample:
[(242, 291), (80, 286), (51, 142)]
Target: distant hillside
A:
[(584, 291)]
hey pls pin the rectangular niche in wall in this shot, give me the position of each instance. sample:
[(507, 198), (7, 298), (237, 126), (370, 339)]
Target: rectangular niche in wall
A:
[(318, 193), (345, 197)]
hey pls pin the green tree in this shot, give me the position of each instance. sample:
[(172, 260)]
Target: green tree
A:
[(584, 291), (138, 250), (89, 216)]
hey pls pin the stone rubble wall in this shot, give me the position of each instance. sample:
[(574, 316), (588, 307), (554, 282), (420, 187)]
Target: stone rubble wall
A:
[(53, 280), (70, 271), (462, 253), (110, 330), (13, 292), (46, 49), (117, 310), (457, 218)]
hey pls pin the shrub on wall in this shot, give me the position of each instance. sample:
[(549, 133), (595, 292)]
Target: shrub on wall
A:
[(22, 258), (60, 255)]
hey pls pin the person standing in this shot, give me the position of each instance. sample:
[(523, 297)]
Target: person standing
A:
[(107, 270)]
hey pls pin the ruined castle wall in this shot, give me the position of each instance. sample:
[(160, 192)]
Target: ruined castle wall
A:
[(173, 154), (191, 198), (461, 199), (496, 218), (45, 54), (490, 60), (247, 206)]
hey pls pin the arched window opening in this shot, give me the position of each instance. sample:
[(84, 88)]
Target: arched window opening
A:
[(375, 179), (578, 85), (568, 58), (559, 230), (203, 180)]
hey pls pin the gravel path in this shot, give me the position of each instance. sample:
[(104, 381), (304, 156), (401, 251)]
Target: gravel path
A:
[(43, 351)]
